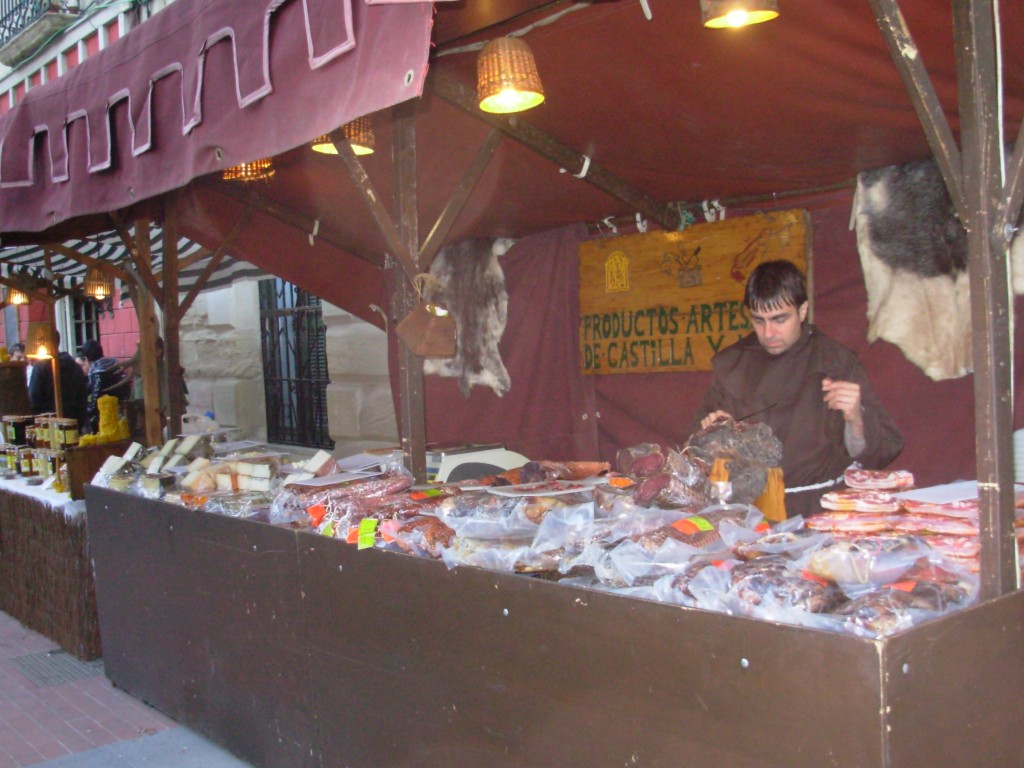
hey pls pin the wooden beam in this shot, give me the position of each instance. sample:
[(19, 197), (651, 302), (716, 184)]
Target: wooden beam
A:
[(80, 258), (172, 320), (548, 147), (147, 354), (214, 262), (457, 201), (396, 244), (975, 38), (301, 222), (1013, 192), (188, 261), (907, 58), (141, 270), (412, 417)]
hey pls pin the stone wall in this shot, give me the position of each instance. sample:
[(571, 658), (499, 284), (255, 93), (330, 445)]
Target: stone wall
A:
[(221, 353), (361, 412)]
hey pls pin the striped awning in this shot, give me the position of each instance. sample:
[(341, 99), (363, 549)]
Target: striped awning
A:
[(32, 260)]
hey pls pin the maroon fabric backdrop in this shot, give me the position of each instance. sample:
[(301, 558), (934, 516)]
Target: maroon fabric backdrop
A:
[(554, 412)]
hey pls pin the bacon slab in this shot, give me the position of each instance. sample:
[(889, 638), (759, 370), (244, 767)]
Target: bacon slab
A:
[(850, 522), (860, 501), (878, 479)]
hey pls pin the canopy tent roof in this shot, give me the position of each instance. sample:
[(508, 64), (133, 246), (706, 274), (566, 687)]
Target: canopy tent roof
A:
[(37, 261), (674, 111)]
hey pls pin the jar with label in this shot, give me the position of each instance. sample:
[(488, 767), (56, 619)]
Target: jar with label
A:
[(54, 461), (41, 462), (27, 462), (11, 456), (65, 433), (14, 429), (42, 431)]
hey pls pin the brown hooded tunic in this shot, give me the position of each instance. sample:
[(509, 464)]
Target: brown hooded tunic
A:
[(748, 379)]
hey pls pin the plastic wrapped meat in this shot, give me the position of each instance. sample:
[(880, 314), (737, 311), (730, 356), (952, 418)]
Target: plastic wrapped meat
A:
[(772, 581), (536, 471), (641, 460), (749, 448), (681, 483), (866, 560), (700, 531), (421, 536)]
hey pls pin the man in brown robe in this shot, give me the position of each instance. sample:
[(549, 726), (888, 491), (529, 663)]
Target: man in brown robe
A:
[(811, 391)]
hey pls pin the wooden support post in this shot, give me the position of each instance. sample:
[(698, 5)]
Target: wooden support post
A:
[(974, 28), (175, 383), (144, 308), (410, 366)]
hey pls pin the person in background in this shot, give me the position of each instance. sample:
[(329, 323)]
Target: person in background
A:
[(18, 351), (105, 377), (812, 391), (73, 387)]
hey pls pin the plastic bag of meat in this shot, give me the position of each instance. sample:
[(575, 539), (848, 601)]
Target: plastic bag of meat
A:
[(774, 588), (749, 448), (681, 483), (537, 471), (504, 556), (860, 564), (702, 531), (793, 543), (924, 592), (424, 536), (641, 460)]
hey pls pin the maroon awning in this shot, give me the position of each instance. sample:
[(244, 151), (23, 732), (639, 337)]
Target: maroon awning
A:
[(200, 86)]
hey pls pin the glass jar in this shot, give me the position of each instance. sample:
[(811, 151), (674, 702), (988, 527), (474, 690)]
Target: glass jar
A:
[(27, 462)]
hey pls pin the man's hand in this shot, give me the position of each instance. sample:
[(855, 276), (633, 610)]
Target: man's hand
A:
[(714, 417), (844, 396)]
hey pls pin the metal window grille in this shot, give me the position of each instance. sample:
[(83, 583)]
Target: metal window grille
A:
[(85, 321), (295, 377), (16, 15)]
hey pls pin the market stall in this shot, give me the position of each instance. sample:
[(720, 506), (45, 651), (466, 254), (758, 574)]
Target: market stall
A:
[(380, 658), (294, 649)]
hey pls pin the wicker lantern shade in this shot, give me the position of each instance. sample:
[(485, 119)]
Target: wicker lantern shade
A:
[(13, 297), (252, 171), (358, 133), (98, 284), (507, 78), (719, 14)]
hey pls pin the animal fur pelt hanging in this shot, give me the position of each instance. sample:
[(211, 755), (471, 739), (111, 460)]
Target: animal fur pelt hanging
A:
[(470, 283), (913, 250)]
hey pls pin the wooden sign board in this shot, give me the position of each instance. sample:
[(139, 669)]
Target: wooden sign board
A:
[(667, 301)]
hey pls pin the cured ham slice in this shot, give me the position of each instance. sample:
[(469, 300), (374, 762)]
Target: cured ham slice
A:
[(850, 522), (913, 522), (960, 547), (878, 479), (860, 501), (964, 508)]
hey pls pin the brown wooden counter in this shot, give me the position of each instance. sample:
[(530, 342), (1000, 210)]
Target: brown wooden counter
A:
[(294, 650)]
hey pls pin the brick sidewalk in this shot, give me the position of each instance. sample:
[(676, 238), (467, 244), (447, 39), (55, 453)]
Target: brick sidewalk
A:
[(52, 705)]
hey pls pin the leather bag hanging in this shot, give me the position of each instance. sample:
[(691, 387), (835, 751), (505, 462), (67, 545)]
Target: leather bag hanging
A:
[(428, 331)]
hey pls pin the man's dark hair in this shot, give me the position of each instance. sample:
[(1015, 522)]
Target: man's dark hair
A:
[(774, 285)]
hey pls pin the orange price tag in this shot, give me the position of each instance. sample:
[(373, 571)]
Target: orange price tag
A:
[(317, 512), (903, 586), (693, 524), (352, 537)]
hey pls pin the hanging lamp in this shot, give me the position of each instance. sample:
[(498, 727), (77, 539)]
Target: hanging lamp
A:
[(506, 77), (14, 297), (251, 171), (722, 14), (99, 284), (358, 133)]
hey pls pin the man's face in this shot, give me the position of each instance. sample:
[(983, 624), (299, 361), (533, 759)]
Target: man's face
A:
[(778, 329)]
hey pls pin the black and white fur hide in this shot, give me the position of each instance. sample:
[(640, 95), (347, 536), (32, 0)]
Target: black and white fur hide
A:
[(470, 283), (913, 250)]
